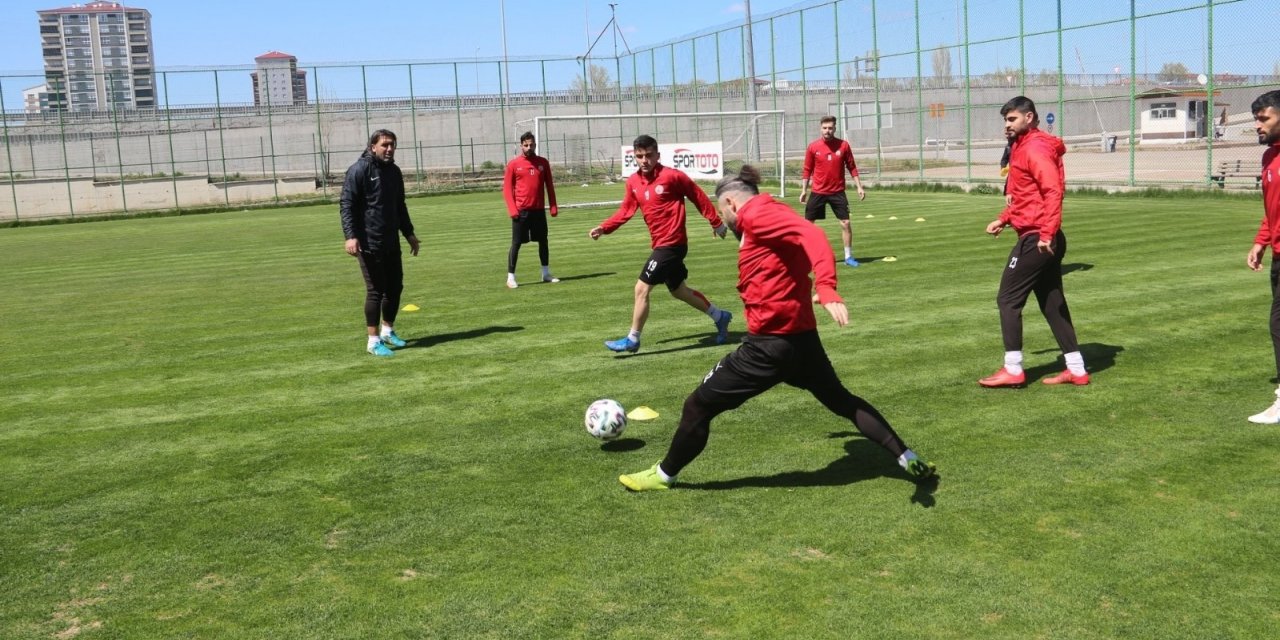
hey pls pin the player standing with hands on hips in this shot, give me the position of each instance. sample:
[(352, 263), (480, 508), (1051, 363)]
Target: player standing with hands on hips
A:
[(777, 253), (373, 215), (526, 176), (1035, 187), (660, 193), (825, 161), (1266, 117)]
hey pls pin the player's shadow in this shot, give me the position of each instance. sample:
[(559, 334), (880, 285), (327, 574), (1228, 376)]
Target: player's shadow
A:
[(582, 276), (1075, 266), (866, 259), (704, 340), (1097, 357), (623, 444), (864, 460), (431, 341)]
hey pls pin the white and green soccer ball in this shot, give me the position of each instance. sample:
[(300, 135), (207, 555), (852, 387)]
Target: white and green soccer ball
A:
[(606, 419)]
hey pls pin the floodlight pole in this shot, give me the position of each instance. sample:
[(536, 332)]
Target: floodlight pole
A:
[(750, 88), (506, 74)]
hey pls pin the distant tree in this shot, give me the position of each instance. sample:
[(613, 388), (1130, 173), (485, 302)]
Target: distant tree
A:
[(598, 81), (942, 66), (1172, 72), (1275, 69)]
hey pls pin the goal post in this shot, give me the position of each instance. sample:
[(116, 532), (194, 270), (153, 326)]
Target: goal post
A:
[(588, 150)]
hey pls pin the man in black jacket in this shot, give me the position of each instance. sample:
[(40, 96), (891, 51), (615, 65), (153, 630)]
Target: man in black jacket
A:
[(373, 213)]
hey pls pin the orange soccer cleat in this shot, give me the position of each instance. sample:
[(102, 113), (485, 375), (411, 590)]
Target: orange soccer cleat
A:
[(1003, 378), (1067, 377)]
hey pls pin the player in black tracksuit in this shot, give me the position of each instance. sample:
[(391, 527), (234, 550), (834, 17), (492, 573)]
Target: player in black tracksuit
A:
[(373, 213)]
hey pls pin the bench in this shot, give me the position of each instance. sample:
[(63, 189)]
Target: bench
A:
[(1237, 169)]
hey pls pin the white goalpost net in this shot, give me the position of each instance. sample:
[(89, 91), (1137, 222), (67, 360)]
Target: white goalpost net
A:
[(588, 150)]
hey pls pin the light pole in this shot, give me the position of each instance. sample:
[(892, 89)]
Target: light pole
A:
[(477, 71)]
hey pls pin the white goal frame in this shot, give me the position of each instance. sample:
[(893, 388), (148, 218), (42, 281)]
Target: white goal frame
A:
[(755, 115)]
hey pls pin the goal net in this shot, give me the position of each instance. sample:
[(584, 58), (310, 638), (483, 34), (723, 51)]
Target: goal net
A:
[(588, 153)]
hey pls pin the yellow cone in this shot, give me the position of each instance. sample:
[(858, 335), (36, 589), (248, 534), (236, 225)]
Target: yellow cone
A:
[(642, 413), (893, 217), (870, 216), (411, 307), (919, 219), (889, 259)]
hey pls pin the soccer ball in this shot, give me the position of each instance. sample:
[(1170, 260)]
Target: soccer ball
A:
[(606, 419)]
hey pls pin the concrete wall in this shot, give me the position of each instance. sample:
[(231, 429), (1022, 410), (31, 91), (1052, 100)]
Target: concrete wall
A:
[(55, 198)]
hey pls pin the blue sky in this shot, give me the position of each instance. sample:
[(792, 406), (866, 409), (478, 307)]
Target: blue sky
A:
[(194, 34)]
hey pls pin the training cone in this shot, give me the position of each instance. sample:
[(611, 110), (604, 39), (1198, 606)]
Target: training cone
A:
[(893, 217), (889, 259), (919, 219), (411, 307), (642, 413), (870, 216)]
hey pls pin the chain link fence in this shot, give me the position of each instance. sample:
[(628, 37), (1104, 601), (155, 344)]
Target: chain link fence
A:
[(1145, 93)]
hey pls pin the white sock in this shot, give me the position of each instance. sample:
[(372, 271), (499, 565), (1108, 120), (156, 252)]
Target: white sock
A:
[(713, 311), (1013, 362), (374, 341), (1075, 362), (385, 330), (511, 277), (633, 335), (848, 252), (906, 457), (546, 271), (663, 474)]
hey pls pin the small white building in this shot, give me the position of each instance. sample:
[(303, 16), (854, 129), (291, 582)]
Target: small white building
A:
[(35, 99), (1174, 116)]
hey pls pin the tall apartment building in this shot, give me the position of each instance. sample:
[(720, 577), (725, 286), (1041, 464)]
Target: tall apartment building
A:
[(278, 82), (98, 56)]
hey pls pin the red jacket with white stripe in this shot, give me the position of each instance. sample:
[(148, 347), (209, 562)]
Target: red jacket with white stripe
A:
[(1269, 230), (523, 182), (661, 198), (1036, 182), (778, 252), (826, 162)]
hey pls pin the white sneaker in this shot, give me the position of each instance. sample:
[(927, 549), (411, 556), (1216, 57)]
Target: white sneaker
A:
[(511, 284), (1270, 416)]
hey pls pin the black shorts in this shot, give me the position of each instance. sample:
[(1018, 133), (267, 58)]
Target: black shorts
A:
[(666, 264), (761, 362), (816, 207), (529, 225)]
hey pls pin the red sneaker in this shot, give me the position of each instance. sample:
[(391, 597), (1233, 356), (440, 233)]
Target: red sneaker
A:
[(1068, 377), (1003, 378)]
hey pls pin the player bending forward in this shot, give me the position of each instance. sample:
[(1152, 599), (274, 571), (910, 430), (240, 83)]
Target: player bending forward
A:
[(778, 251)]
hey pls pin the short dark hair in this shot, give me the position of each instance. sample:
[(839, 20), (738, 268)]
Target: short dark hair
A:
[(826, 119), (528, 135), (747, 180), (1268, 99), (644, 141), (1021, 104), (379, 134)]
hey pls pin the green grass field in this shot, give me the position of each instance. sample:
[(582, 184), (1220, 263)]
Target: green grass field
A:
[(193, 443)]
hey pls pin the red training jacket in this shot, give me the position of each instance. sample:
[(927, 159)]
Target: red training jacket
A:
[(827, 162), (1036, 182), (522, 184), (662, 201), (1269, 230), (779, 249)]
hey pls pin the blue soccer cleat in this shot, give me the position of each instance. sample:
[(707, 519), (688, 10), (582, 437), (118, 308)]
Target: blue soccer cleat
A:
[(722, 327), (622, 344), (381, 350), (392, 339), (852, 262)]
